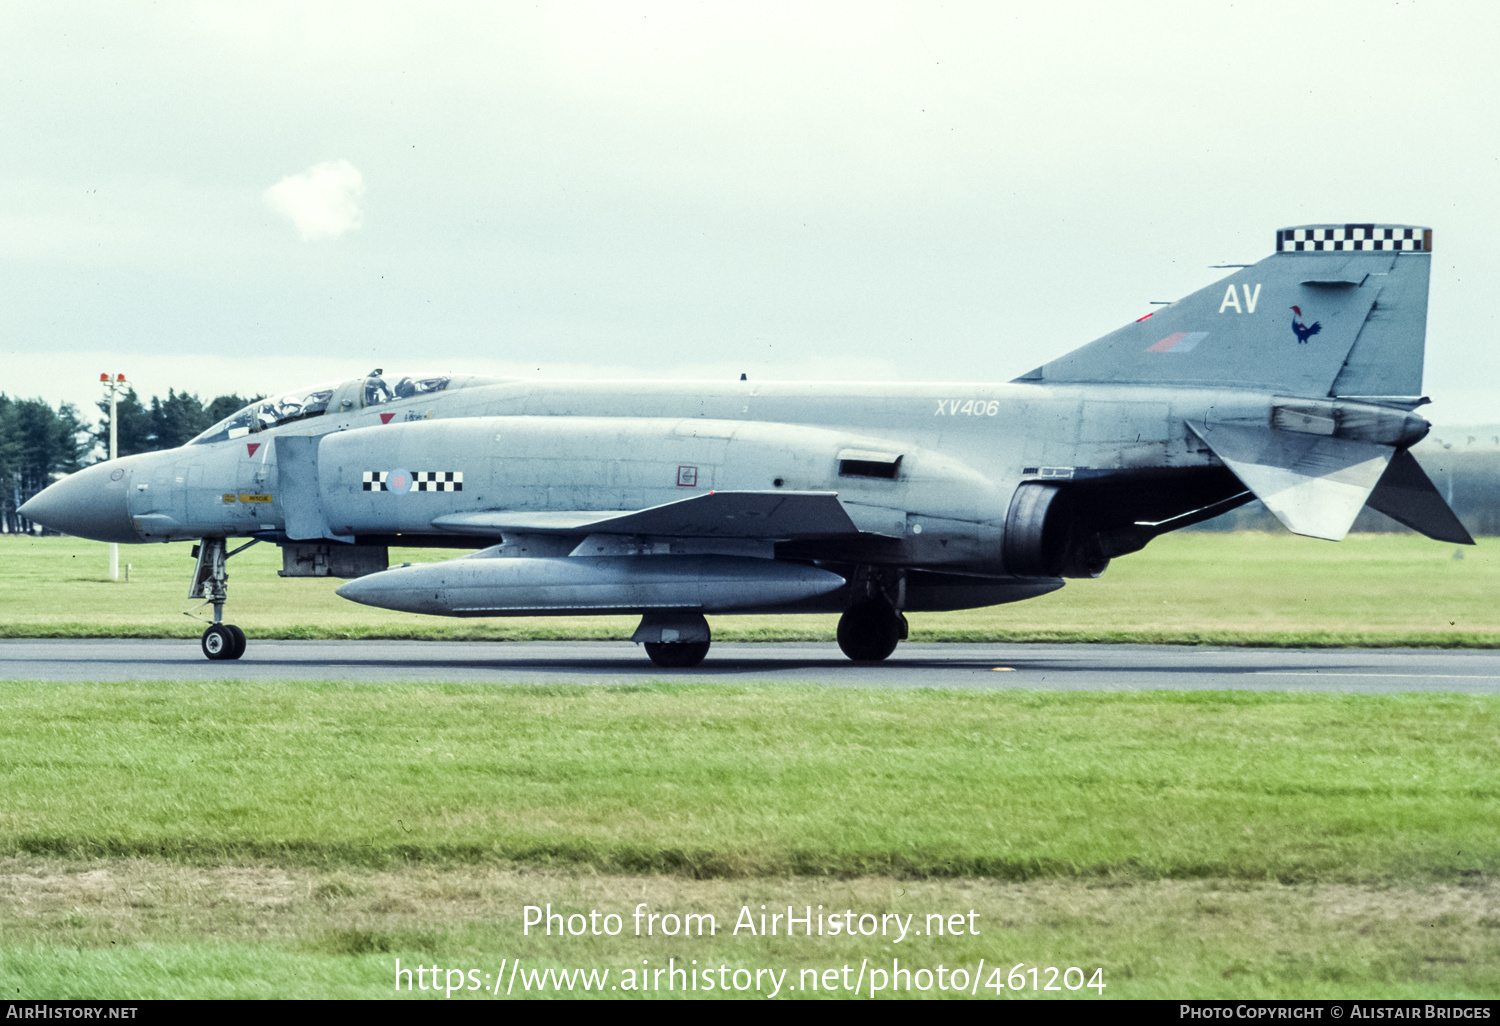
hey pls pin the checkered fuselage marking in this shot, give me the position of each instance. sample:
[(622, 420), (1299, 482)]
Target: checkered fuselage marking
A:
[(421, 480)]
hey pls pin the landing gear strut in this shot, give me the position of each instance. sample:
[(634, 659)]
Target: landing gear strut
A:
[(674, 640), (211, 584)]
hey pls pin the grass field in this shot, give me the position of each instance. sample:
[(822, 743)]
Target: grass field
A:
[(1189, 588), (295, 839), (712, 780), (143, 928), (206, 839)]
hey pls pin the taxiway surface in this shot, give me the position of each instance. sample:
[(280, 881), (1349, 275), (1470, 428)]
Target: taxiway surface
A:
[(1061, 667)]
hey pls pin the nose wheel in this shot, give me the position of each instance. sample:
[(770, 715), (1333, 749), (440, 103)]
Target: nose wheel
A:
[(211, 584), (223, 641)]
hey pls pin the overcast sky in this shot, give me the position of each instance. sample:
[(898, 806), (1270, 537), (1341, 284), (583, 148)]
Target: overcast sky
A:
[(249, 197)]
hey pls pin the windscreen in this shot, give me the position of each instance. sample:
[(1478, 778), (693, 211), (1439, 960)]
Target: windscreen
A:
[(268, 413)]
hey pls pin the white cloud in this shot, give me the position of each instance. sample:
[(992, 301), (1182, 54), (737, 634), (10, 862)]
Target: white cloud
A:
[(322, 202)]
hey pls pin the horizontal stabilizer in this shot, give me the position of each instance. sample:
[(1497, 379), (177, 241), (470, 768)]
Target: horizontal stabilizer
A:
[(747, 514), (1315, 484), (1407, 495)]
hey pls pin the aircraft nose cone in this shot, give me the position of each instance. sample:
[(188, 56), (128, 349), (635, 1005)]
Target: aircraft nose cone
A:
[(88, 504)]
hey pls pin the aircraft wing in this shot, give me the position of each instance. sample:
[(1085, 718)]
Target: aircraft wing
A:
[(743, 514), (1315, 484)]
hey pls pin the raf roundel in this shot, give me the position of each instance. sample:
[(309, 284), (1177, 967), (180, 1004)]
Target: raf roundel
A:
[(398, 481)]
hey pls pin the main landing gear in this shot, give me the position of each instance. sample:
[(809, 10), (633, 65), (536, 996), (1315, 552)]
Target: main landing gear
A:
[(873, 624), (870, 629), (674, 640), (211, 584)]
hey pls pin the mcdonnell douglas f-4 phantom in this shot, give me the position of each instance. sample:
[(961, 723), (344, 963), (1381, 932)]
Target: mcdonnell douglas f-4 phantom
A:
[(1292, 380)]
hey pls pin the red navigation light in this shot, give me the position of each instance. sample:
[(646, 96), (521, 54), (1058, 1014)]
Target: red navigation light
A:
[(1146, 318), (119, 377), (104, 377)]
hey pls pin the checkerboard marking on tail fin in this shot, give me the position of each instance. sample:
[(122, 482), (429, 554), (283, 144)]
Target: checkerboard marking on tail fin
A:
[(1354, 238)]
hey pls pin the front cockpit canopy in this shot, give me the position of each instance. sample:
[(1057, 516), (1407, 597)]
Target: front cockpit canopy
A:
[(302, 403), (273, 412)]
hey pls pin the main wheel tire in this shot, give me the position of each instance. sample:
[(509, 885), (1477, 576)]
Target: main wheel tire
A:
[(869, 631), (677, 655), (218, 642), (239, 641)]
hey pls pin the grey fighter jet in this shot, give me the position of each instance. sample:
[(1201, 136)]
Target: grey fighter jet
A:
[(1292, 380)]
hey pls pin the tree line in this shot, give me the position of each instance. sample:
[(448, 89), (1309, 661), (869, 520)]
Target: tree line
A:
[(39, 442)]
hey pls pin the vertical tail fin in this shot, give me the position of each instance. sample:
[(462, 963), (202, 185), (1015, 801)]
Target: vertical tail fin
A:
[(1337, 310)]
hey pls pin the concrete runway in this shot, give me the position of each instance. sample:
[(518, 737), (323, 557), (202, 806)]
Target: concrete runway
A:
[(1060, 667)]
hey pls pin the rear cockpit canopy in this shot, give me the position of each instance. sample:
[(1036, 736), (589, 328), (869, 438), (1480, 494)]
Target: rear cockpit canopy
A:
[(378, 390), (338, 396)]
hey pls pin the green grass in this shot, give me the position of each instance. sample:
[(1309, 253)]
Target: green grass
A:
[(151, 929), (293, 839), (715, 781), (1190, 588)]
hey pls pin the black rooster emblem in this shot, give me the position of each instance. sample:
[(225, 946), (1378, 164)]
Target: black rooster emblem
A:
[(1304, 331)]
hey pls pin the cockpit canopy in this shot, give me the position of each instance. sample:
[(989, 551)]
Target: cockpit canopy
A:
[(378, 391), (302, 403)]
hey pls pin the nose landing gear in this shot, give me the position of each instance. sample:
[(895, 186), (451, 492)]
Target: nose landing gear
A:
[(211, 584), (223, 641)]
